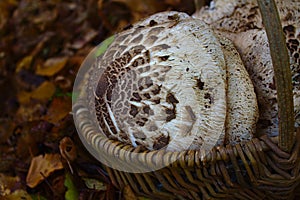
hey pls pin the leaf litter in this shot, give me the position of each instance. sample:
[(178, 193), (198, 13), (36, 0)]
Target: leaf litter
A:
[(43, 44)]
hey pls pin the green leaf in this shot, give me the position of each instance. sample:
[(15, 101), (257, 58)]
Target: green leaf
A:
[(72, 192), (94, 184), (37, 197)]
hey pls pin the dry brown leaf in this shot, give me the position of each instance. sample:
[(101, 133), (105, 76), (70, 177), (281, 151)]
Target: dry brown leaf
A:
[(41, 44), (140, 9), (87, 37), (63, 82), (18, 194), (4, 11), (59, 108), (30, 112), (7, 183), (67, 149), (142, 6), (24, 63), (51, 66), (45, 16), (173, 2), (44, 92), (77, 60), (41, 167)]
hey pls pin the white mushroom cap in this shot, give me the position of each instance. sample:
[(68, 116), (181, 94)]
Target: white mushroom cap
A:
[(242, 109), (231, 15), (163, 82), (170, 82), (241, 22)]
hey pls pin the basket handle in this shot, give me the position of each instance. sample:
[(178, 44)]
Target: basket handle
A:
[(283, 79)]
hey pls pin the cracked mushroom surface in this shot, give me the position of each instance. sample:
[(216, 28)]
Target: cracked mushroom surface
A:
[(163, 83), (240, 21), (242, 110)]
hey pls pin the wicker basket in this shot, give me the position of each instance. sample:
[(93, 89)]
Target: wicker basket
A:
[(263, 168)]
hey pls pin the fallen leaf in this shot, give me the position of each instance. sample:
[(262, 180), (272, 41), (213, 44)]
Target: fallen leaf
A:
[(7, 183), (27, 143), (77, 60), (140, 9), (87, 37), (72, 192), (27, 80), (51, 66), (37, 197), (41, 167), (5, 5), (63, 82), (114, 21), (67, 149), (58, 185), (30, 136), (30, 112), (24, 63), (45, 16), (59, 108), (173, 2), (8, 106), (18, 194), (41, 44), (44, 92), (94, 184)]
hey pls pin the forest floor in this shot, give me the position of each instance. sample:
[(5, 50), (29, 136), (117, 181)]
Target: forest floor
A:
[(42, 45)]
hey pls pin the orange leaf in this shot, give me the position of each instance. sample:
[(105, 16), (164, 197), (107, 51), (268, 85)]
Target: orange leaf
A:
[(41, 167), (24, 63), (44, 92), (51, 66), (59, 108)]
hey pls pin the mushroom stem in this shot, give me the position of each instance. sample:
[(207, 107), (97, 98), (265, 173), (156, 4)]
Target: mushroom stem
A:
[(281, 65)]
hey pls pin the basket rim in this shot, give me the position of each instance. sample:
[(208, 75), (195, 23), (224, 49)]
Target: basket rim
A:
[(186, 158)]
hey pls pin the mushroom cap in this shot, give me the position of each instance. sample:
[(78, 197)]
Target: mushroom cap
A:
[(242, 108), (256, 54), (162, 84), (170, 82), (231, 15), (240, 21)]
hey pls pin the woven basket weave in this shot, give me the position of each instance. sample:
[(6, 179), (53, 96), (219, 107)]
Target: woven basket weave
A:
[(263, 168)]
